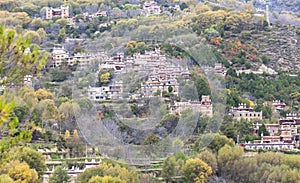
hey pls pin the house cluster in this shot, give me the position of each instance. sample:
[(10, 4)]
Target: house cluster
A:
[(115, 62), (261, 70), (204, 106), (283, 136), (159, 75), (162, 74), (73, 172), (97, 14), (244, 112), (220, 69), (278, 105), (159, 78), (62, 12), (151, 8), (104, 93), (60, 55)]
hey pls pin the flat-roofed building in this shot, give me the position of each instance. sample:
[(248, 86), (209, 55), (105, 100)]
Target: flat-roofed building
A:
[(244, 112), (62, 12)]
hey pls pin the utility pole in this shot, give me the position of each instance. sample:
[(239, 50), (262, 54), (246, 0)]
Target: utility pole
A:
[(86, 151), (267, 12)]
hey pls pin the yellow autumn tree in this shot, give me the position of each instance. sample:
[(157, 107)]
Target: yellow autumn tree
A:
[(104, 78), (67, 134), (196, 171), (43, 94), (20, 172)]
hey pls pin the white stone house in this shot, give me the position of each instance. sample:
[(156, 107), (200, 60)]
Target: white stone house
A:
[(62, 12), (204, 106), (245, 112), (113, 91)]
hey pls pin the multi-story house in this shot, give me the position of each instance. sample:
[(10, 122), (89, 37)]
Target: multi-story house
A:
[(151, 8), (283, 136), (204, 106), (278, 105), (245, 112), (113, 91), (59, 55), (149, 88), (62, 12), (273, 129)]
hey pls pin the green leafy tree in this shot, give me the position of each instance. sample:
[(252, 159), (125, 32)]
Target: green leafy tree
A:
[(170, 89), (209, 158), (213, 141), (151, 139), (60, 175), (15, 62), (263, 130), (9, 124), (227, 156), (89, 173), (61, 35), (267, 112), (169, 169)]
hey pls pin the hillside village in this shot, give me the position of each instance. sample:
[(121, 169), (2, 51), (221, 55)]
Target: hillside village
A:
[(149, 91)]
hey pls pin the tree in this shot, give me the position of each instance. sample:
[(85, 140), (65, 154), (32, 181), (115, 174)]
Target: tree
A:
[(202, 87), (170, 89), (48, 109), (61, 35), (68, 111), (195, 170), (67, 134), (4, 178), (34, 36), (15, 61), (183, 6), (20, 172), (75, 133), (116, 170), (9, 124), (43, 94), (169, 169), (227, 155), (104, 78), (263, 130), (267, 112), (169, 121), (209, 158), (60, 175), (106, 179), (213, 141), (151, 139), (89, 173), (34, 159)]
